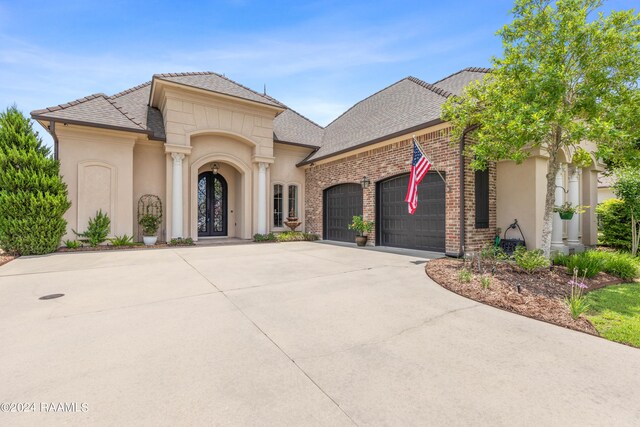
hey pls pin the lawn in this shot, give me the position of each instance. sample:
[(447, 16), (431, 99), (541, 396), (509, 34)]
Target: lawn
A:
[(615, 312)]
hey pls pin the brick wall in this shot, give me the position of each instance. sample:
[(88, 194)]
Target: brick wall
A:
[(394, 159)]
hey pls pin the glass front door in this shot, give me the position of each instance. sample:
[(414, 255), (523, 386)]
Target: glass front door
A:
[(212, 205)]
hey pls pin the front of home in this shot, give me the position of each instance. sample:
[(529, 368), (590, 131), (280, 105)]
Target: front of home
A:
[(226, 161)]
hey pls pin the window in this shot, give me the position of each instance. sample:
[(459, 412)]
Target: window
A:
[(277, 205), (482, 199), (292, 208)]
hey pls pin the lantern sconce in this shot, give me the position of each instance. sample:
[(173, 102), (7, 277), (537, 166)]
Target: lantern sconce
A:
[(214, 168), (365, 182)]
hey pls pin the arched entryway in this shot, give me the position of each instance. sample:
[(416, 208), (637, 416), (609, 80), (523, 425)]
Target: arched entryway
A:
[(212, 205)]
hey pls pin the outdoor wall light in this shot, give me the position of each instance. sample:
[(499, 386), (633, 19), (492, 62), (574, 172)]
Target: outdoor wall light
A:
[(365, 182), (214, 168)]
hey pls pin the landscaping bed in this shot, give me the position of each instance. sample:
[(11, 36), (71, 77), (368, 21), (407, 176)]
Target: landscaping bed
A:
[(540, 296), (4, 258)]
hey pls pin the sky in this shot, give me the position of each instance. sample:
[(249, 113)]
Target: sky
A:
[(317, 57)]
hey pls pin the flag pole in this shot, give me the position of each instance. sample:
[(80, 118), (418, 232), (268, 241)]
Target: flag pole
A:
[(429, 160)]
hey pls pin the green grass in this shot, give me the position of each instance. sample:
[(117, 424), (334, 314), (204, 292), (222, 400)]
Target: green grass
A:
[(615, 312)]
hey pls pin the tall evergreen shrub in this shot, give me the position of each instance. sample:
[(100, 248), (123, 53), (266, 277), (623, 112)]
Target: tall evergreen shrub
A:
[(33, 198)]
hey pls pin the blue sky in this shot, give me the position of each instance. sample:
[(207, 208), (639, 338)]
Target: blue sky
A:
[(318, 57)]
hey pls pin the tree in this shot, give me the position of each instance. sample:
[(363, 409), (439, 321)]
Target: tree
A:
[(627, 187), (33, 198), (564, 78)]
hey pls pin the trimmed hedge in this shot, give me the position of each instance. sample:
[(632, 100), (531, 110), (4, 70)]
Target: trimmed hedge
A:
[(33, 198), (614, 224)]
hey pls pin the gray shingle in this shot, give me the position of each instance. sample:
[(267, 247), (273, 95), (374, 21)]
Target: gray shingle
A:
[(217, 83), (290, 126), (133, 102), (457, 81)]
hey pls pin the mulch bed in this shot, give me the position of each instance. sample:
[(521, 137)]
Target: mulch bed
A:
[(541, 294), (117, 248), (4, 258)]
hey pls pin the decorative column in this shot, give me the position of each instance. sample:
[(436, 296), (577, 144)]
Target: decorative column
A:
[(573, 197), (557, 244), (176, 201), (262, 197)]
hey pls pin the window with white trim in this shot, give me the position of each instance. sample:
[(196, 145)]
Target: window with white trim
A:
[(278, 201), (292, 208)]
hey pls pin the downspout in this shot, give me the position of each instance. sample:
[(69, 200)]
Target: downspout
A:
[(52, 131), (460, 253)]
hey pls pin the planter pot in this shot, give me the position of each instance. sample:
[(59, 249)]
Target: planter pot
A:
[(149, 240), (566, 215), (361, 240)]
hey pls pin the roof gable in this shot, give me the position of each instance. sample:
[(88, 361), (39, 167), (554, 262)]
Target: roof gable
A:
[(456, 82)]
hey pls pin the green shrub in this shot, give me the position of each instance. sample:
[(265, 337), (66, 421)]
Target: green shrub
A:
[(485, 281), (150, 223), (561, 259), (124, 240), (264, 237), (295, 236), (619, 264), (588, 263), (530, 261), (465, 276), (614, 224), (72, 244), (33, 197), (97, 230), (179, 241)]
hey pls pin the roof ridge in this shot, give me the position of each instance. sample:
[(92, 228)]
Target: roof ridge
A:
[(250, 90), (469, 69), (128, 91), (364, 99), (187, 73), (125, 113), (433, 88), (69, 104)]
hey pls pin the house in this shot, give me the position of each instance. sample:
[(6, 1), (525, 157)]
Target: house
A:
[(228, 161)]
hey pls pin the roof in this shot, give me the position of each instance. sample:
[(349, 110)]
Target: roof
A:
[(407, 105), (218, 83)]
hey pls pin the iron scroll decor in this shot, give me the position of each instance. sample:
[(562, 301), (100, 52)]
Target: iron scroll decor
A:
[(509, 246), (149, 204)]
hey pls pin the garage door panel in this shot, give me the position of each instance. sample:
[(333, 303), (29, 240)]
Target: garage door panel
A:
[(425, 230), (341, 203)]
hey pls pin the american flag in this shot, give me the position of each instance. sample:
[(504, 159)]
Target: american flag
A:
[(419, 168)]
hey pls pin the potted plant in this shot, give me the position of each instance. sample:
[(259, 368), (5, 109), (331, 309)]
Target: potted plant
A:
[(567, 210), (149, 224), (361, 227)]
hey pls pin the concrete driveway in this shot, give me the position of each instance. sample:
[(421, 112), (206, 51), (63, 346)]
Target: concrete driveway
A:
[(287, 334)]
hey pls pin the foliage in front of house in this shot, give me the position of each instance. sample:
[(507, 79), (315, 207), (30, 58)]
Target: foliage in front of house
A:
[(590, 263), (286, 236), (97, 230), (566, 76), (360, 226), (614, 224), (627, 188), (33, 197)]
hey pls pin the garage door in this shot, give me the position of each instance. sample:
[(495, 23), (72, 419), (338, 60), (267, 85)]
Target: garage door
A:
[(341, 203), (425, 230)]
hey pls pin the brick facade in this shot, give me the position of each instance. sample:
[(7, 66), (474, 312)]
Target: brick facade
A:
[(389, 160)]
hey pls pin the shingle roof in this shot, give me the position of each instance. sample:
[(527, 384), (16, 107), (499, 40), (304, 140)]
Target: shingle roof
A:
[(217, 83), (407, 104), (457, 81), (401, 106), (292, 127)]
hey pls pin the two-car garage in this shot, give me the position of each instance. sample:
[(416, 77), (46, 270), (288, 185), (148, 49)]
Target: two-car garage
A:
[(395, 227)]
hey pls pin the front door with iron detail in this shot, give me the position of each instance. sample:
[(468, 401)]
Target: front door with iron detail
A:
[(212, 205)]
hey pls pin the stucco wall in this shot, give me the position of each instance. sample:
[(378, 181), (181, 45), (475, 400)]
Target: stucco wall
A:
[(149, 178), (284, 171), (98, 169)]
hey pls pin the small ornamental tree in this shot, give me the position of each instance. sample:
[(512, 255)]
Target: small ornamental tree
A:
[(33, 198), (627, 188), (565, 77)]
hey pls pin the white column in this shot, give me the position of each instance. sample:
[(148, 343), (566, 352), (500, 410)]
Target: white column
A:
[(262, 197), (556, 232), (573, 197), (176, 202)]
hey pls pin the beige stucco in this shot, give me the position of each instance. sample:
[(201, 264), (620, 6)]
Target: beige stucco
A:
[(149, 171), (284, 171), (97, 166)]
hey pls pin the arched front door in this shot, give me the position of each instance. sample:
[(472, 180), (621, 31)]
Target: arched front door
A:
[(212, 205)]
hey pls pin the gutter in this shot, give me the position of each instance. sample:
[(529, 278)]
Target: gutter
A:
[(52, 131)]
